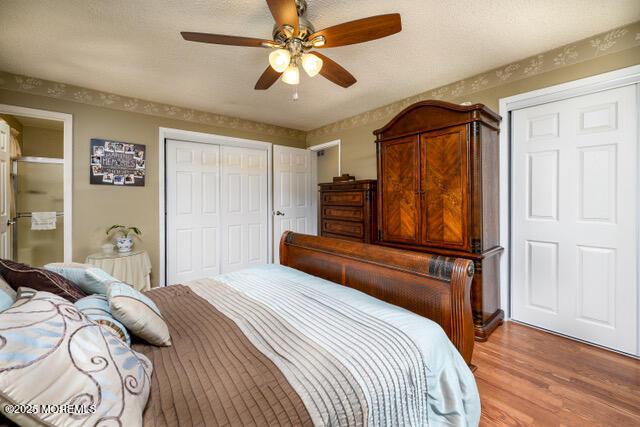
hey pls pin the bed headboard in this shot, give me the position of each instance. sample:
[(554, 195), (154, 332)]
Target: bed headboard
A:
[(432, 286)]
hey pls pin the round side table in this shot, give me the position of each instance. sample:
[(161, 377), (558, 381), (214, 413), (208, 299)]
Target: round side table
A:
[(132, 268)]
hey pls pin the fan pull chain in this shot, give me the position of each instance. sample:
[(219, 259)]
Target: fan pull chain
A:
[(295, 93)]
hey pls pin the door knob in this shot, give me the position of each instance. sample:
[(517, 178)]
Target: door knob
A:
[(11, 222), (278, 213)]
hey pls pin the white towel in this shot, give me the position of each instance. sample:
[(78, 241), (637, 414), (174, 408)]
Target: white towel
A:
[(43, 220)]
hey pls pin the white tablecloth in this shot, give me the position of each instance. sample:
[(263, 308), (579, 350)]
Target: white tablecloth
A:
[(133, 269)]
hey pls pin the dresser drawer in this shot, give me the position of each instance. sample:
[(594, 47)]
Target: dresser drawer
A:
[(349, 198), (345, 228), (345, 213), (343, 237)]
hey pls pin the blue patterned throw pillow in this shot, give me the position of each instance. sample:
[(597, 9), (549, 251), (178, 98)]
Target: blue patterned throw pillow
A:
[(92, 280), (52, 354), (7, 295), (96, 308), (139, 314)]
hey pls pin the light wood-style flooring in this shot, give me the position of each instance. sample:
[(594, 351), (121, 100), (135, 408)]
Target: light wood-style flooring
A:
[(529, 377)]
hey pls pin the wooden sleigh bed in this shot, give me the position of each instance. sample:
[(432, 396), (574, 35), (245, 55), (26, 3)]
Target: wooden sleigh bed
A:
[(296, 344), (433, 286), (329, 337)]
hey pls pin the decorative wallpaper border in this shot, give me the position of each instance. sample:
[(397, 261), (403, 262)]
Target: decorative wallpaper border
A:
[(602, 44), (82, 95)]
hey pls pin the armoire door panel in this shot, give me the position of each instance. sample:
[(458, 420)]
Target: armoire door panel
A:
[(399, 196), (444, 172)]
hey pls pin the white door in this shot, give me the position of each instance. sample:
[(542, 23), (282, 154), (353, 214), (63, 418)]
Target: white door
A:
[(193, 211), (574, 217), (5, 167), (294, 206), (245, 218)]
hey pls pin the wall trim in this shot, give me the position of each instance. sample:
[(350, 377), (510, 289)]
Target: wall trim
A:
[(606, 43), (67, 120), (324, 146), (67, 92), (206, 138), (613, 79)]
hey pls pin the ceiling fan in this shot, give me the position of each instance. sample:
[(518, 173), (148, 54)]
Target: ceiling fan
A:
[(294, 37)]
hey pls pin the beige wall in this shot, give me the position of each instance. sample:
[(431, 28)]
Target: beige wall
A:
[(358, 147), (95, 207), (39, 142), (328, 164)]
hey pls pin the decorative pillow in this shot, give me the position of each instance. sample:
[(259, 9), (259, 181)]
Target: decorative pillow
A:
[(53, 355), (92, 280), (18, 275), (7, 295), (96, 308), (23, 293), (139, 314)]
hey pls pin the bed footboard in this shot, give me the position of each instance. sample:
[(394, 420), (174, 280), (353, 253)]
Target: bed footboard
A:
[(432, 286)]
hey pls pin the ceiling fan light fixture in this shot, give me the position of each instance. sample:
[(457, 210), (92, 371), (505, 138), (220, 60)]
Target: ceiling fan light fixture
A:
[(311, 64), (291, 75), (280, 59)]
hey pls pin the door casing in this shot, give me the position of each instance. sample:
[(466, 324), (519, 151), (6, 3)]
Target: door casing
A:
[(67, 120)]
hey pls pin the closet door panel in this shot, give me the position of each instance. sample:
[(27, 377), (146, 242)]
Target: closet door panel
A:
[(193, 216), (244, 208), (399, 192), (445, 193)]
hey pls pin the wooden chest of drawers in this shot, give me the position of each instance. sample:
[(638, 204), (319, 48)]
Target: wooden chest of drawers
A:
[(348, 210)]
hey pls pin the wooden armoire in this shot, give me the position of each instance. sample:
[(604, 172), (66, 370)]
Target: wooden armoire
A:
[(438, 192)]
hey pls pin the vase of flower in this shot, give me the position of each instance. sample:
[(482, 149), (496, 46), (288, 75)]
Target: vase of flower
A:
[(124, 236)]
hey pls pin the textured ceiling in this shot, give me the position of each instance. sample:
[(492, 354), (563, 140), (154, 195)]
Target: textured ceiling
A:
[(134, 48)]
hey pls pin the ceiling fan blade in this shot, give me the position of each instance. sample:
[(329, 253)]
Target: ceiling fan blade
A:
[(361, 30), (222, 39), (334, 72), (267, 79), (284, 12)]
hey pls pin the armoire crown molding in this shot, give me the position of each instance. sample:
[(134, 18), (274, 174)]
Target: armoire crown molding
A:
[(613, 41), (51, 89)]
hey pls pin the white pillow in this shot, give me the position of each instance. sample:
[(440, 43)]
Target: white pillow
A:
[(55, 355), (138, 314)]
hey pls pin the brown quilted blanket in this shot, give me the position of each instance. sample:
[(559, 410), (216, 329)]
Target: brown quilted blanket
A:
[(212, 374)]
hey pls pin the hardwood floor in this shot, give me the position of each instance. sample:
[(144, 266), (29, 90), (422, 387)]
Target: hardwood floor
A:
[(529, 377)]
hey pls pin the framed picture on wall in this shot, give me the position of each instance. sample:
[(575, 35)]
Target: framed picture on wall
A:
[(117, 163)]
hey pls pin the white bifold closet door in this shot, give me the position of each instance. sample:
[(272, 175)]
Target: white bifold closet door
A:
[(574, 217), (216, 209)]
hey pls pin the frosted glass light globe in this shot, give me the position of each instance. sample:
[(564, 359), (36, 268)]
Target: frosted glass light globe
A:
[(291, 75), (311, 64), (279, 59)]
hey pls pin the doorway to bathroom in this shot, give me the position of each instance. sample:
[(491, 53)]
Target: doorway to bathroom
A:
[(35, 186)]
